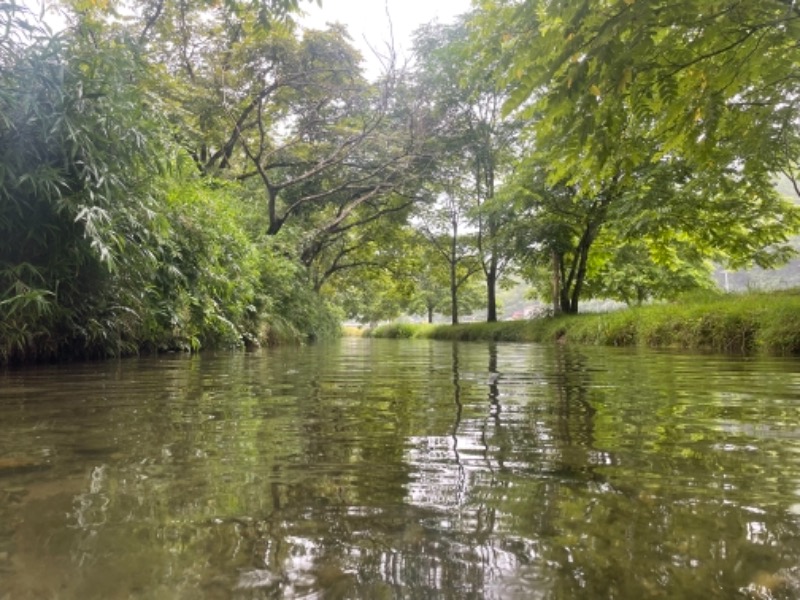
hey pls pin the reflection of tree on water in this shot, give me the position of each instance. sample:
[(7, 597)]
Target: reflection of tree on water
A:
[(571, 448), (494, 388), (560, 477), (312, 495), (486, 512), (616, 528), (460, 487)]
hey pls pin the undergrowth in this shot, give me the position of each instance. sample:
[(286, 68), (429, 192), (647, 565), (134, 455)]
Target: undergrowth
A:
[(743, 323)]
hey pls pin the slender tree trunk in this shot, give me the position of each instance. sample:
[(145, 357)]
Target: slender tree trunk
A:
[(453, 294), (430, 314), (582, 259), (556, 265), (453, 274), (573, 283), (491, 290)]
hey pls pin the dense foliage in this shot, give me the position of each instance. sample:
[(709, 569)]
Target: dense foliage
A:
[(78, 148), (650, 122), (110, 239)]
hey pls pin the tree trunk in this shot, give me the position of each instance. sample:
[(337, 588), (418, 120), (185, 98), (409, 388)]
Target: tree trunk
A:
[(491, 291), (453, 274), (275, 222), (453, 295), (557, 275), (641, 295), (578, 271), (430, 314), (583, 257), (573, 283), (565, 301)]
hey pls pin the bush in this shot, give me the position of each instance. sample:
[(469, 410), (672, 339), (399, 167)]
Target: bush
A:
[(109, 244)]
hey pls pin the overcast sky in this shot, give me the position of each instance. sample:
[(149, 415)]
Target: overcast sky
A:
[(368, 23), (366, 20)]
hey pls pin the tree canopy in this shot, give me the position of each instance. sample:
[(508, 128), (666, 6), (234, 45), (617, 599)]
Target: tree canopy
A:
[(657, 119)]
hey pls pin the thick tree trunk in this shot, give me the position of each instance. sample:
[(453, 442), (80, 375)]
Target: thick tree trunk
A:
[(583, 258), (572, 287), (566, 306)]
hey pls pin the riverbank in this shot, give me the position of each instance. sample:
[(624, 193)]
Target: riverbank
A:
[(742, 323)]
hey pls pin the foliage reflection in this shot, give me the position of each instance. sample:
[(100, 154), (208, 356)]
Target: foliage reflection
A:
[(384, 469)]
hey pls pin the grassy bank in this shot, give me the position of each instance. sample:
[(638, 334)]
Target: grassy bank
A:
[(754, 322)]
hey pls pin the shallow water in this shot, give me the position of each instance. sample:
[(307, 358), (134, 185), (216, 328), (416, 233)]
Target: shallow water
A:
[(402, 469)]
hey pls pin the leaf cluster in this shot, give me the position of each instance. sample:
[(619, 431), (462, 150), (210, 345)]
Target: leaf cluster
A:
[(657, 124)]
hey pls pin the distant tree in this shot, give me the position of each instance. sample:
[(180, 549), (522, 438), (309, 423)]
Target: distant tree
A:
[(473, 137), (430, 286), (367, 272), (635, 273), (432, 289), (441, 225)]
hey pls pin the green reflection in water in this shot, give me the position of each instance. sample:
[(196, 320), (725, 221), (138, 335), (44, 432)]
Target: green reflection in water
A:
[(403, 469)]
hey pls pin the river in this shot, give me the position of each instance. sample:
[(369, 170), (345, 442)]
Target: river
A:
[(382, 469)]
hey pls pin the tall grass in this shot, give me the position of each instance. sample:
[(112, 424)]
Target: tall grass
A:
[(746, 323)]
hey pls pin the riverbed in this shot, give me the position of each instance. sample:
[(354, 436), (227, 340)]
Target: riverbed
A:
[(402, 469)]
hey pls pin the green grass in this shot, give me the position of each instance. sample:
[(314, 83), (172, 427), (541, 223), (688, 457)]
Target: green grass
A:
[(745, 323), (507, 331), (352, 331), (400, 331)]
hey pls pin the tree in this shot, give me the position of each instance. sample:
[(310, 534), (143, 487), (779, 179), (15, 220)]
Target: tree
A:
[(110, 240), (653, 118), (710, 81), (291, 116), (273, 114), (441, 226), (427, 274), (431, 286), (678, 223), (473, 137), (367, 272), (634, 272), (286, 113)]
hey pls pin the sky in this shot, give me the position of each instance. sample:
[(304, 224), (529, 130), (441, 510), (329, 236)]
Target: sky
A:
[(368, 23)]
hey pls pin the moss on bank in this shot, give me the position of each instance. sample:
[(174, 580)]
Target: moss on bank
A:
[(747, 323)]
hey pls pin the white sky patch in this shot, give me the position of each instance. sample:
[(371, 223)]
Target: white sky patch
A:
[(372, 23)]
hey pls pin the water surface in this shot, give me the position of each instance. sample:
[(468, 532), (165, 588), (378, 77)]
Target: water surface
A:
[(402, 469)]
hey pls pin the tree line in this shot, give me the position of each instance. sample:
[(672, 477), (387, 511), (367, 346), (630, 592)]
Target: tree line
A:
[(196, 174)]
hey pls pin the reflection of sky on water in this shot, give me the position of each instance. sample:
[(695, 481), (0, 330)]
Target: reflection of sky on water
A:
[(403, 470), (448, 476)]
